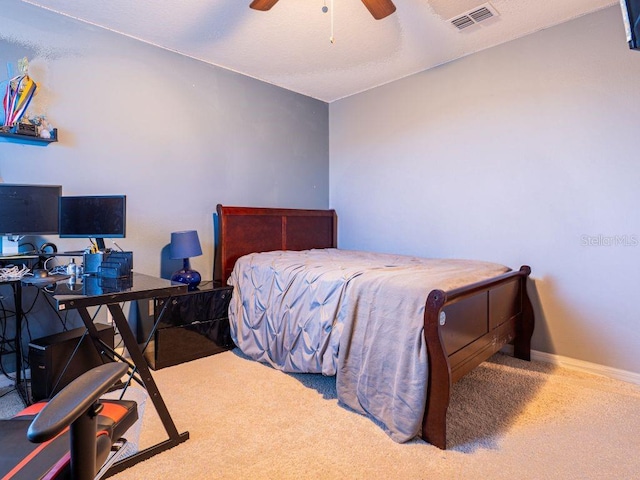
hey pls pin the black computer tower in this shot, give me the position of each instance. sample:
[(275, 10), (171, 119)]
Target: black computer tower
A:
[(51, 362)]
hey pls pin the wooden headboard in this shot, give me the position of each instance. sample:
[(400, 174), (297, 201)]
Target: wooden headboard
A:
[(244, 230)]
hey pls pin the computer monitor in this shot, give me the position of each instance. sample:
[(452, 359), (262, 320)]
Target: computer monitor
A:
[(95, 216), (27, 210), (631, 17)]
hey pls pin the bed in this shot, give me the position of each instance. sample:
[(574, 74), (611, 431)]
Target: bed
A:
[(460, 325)]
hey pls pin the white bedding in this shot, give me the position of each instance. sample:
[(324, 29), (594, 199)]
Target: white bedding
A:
[(356, 315)]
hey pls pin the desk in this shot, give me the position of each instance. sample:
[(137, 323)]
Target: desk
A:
[(21, 257), (19, 383), (16, 286), (95, 291)]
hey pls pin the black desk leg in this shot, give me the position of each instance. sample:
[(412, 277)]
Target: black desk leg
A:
[(20, 383), (141, 365)]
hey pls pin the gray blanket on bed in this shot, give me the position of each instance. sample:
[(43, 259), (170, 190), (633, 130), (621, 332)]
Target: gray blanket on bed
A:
[(356, 315)]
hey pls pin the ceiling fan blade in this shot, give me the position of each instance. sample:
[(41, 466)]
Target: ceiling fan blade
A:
[(262, 4), (379, 8)]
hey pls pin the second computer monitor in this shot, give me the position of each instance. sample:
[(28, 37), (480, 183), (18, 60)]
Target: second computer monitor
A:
[(95, 216)]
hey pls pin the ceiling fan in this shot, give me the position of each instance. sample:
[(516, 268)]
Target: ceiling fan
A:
[(378, 8)]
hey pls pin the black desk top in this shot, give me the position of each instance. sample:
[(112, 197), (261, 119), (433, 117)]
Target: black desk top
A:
[(18, 257), (90, 290)]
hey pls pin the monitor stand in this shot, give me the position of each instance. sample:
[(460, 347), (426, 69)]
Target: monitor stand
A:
[(10, 245)]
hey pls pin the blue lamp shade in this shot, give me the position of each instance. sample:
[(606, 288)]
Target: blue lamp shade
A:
[(184, 245)]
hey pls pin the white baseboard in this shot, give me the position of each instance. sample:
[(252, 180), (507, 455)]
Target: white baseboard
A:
[(580, 365)]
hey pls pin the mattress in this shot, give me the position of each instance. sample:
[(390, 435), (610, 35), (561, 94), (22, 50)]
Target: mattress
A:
[(356, 315)]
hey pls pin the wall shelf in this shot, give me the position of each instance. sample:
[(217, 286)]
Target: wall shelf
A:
[(29, 139)]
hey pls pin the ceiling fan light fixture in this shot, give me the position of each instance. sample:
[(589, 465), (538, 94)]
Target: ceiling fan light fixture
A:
[(378, 8)]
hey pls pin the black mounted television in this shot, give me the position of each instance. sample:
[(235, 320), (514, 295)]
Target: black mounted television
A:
[(27, 210), (631, 16), (94, 216)]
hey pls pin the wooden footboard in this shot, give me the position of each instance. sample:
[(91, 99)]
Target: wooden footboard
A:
[(463, 328)]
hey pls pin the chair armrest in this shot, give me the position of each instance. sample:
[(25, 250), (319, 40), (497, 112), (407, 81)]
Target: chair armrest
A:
[(74, 400)]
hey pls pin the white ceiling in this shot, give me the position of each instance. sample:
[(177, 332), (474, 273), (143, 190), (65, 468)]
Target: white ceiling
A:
[(289, 45)]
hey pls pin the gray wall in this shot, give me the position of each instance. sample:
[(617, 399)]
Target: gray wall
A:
[(522, 154), (175, 135)]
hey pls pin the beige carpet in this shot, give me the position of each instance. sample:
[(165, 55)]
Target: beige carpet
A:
[(508, 419)]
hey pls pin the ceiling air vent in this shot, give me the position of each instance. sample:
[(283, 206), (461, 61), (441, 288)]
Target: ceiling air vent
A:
[(474, 16)]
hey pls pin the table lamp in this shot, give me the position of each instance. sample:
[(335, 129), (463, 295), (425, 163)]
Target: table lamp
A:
[(184, 245)]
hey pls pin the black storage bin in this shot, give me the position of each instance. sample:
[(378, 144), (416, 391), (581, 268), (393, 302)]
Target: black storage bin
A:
[(193, 325)]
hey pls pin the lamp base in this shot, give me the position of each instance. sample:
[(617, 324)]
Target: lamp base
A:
[(188, 276)]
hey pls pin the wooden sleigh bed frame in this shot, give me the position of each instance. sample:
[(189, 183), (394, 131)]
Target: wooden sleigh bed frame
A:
[(462, 327)]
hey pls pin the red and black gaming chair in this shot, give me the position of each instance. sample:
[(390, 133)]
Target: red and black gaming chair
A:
[(72, 435)]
